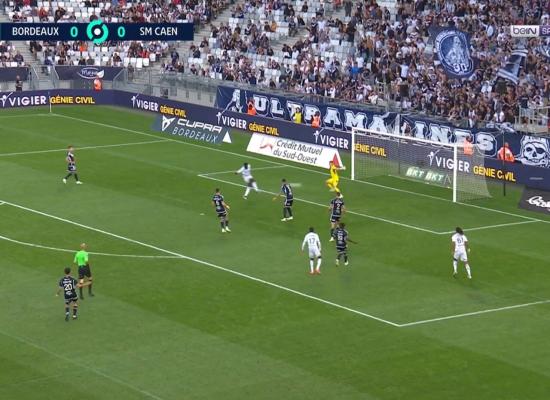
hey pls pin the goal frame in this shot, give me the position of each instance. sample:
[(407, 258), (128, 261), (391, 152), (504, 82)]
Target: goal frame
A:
[(389, 136)]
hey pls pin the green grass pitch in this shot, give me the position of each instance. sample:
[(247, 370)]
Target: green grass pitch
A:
[(183, 311)]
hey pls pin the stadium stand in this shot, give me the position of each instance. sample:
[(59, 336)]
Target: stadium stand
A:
[(136, 55), (363, 51), (349, 51), (9, 57)]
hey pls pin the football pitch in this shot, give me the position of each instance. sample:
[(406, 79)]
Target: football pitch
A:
[(183, 311)]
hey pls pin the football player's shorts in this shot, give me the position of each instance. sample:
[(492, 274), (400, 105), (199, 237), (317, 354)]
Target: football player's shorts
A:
[(84, 271), (71, 299), (332, 182), (222, 214), (461, 256), (288, 202), (314, 252)]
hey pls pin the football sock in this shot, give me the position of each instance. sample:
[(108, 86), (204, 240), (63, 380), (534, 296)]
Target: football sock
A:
[(246, 192), (76, 177), (68, 176), (90, 288), (468, 270), (311, 265), (454, 265), (331, 232), (74, 311), (222, 224), (227, 223), (285, 212), (346, 258), (255, 186), (66, 310), (81, 294), (318, 263), (289, 210)]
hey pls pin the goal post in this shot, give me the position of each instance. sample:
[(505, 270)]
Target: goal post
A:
[(375, 154)]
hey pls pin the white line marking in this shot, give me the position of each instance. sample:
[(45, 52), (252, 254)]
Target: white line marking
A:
[(198, 261), (83, 148), (479, 228), (504, 212), (1, 203), (39, 246), (426, 321), (389, 221), (83, 366), (22, 116), (300, 168), (255, 169)]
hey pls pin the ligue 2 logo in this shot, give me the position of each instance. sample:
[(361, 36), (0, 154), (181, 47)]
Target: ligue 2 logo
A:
[(97, 31)]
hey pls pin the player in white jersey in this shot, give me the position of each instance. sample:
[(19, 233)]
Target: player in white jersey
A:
[(460, 250), (246, 173), (314, 246)]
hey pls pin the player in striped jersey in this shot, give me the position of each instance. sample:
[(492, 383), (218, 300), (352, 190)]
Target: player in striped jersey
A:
[(342, 238), (337, 210), (71, 166), (68, 286), (221, 208), (246, 173), (288, 194)]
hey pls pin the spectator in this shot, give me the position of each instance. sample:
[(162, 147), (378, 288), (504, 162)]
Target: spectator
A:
[(316, 120), (18, 84), (18, 58), (251, 107), (505, 154)]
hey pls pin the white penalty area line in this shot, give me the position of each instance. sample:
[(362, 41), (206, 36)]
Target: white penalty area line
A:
[(389, 221), (470, 314), (479, 228), (267, 283), (96, 371), (23, 116), (39, 246), (241, 155), (206, 263), (104, 146), (235, 171)]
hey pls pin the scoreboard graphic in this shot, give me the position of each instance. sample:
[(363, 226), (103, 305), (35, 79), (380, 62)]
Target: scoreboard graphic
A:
[(96, 31)]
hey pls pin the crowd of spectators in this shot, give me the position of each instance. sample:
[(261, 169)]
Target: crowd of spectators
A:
[(9, 57), (353, 57), (129, 54)]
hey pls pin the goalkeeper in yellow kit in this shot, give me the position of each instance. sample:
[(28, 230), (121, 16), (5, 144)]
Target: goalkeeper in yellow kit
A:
[(332, 182)]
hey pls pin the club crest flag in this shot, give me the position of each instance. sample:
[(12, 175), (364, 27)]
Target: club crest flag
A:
[(452, 50)]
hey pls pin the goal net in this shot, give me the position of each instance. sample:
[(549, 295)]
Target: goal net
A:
[(446, 165)]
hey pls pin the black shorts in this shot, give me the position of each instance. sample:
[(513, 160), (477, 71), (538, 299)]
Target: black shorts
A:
[(84, 271), (71, 169), (72, 299), (288, 202), (222, 214), (341, 249), (335, 218)]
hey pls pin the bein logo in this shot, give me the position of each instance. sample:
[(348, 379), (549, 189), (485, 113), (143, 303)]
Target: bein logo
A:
[(524, 31)]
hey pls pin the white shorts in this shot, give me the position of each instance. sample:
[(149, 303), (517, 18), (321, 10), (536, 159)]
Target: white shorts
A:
[(461, 256), (248, 180), (313, 253)]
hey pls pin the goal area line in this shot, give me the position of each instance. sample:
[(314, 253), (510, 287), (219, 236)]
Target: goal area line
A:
[(210, 176), (247, 156)]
